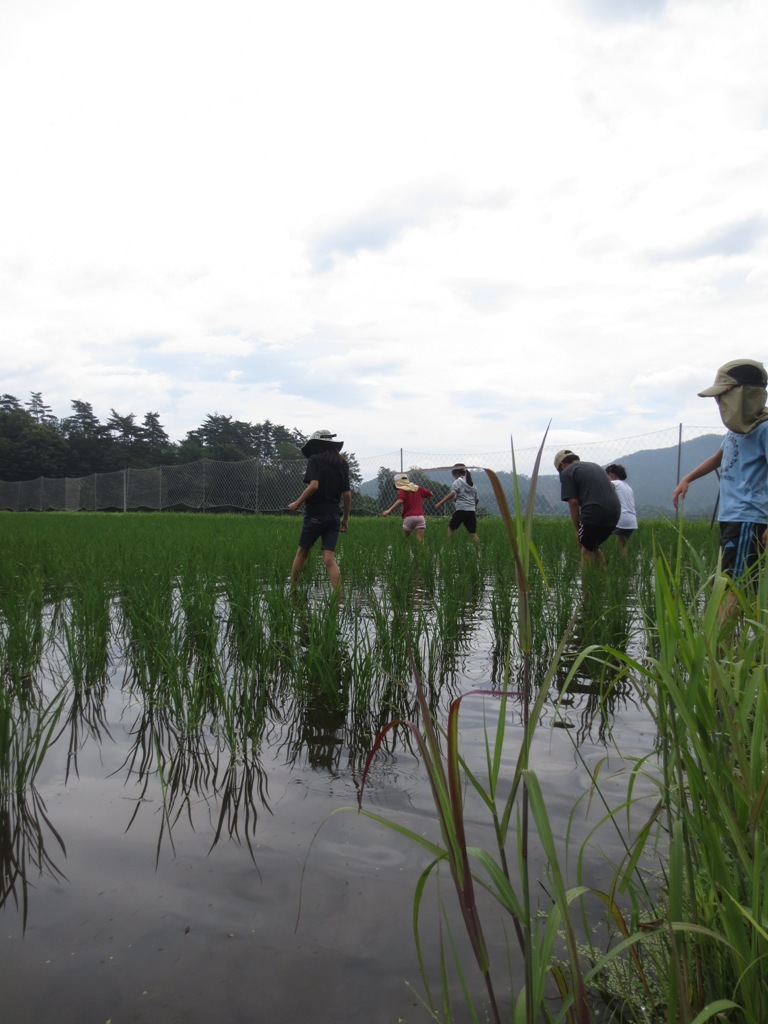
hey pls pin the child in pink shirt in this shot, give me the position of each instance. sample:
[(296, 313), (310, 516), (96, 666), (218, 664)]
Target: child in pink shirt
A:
[(410, 497)]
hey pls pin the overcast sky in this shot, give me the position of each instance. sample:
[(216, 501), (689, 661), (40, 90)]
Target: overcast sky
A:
[(421, 224)]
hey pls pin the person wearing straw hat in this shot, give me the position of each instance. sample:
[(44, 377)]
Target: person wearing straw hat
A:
[(327, 480), (742, 459), (592, 502), (410, 497)]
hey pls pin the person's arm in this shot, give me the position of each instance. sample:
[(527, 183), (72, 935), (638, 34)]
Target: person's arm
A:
[(346, 497), (573, 508), (308, 491), (707, 466), (448, 497), (393, 507)]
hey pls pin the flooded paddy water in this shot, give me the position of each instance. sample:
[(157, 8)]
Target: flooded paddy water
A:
[(180, 736)]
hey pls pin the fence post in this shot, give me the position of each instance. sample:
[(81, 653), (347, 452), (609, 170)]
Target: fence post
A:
[(126, 471), (40, 499), (401, 461), (679, 450), (679, 461)]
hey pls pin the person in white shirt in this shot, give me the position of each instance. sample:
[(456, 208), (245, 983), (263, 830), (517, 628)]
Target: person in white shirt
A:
[(627, 523)]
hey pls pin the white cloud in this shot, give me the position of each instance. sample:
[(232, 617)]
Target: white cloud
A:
[(425, 225)]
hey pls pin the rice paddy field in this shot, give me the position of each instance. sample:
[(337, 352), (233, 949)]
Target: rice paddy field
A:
[(184, 744)]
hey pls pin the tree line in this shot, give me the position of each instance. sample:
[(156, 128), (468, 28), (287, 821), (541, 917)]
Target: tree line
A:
[(34, 442)]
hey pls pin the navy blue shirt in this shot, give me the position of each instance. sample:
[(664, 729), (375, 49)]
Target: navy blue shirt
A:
[(333, 479)]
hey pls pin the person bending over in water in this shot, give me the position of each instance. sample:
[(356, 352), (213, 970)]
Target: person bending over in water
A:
[(592, 502)]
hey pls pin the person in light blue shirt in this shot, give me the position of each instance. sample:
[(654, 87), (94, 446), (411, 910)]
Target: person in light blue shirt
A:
[(740, 390)]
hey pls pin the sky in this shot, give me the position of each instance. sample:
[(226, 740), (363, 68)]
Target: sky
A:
[(428, 225)]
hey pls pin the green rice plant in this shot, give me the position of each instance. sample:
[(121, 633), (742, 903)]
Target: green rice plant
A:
[(247, 633), (82, 633), (82, 626), (324, 680), (390, 645), (279, 615), (22, 631), (151, 633)]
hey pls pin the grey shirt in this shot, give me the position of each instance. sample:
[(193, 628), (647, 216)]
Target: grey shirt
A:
[(589, 484)]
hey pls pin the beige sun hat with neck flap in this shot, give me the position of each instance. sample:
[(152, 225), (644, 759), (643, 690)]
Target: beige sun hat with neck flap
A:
[(740, 390), (737, 373), (402, 483)]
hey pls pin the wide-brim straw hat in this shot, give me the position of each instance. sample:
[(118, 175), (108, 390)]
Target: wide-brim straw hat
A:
[(402, 483), (321, 441)]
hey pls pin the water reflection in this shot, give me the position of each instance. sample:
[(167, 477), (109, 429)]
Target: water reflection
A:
[(29, 842), (216, 679), (608, 624), (196, 769), (84, 718)]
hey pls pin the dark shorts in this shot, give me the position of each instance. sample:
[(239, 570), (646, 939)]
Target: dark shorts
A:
[(463, 517), (592, 535), (326, 525), (741, 546)]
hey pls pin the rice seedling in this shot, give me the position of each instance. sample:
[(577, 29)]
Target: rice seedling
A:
[(82, 631), (22, 631)]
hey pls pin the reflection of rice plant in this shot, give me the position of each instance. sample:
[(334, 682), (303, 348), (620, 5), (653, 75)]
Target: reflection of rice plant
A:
[(27, 722), (24, 830), (195, 768)]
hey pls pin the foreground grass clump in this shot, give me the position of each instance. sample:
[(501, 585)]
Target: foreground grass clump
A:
[(707, 688), (688, 905)]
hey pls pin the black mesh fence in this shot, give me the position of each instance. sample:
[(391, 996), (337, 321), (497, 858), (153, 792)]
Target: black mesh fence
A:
[(267, 486)]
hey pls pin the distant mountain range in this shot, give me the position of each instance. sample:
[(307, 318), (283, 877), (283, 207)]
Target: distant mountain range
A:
[(652, 474)]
